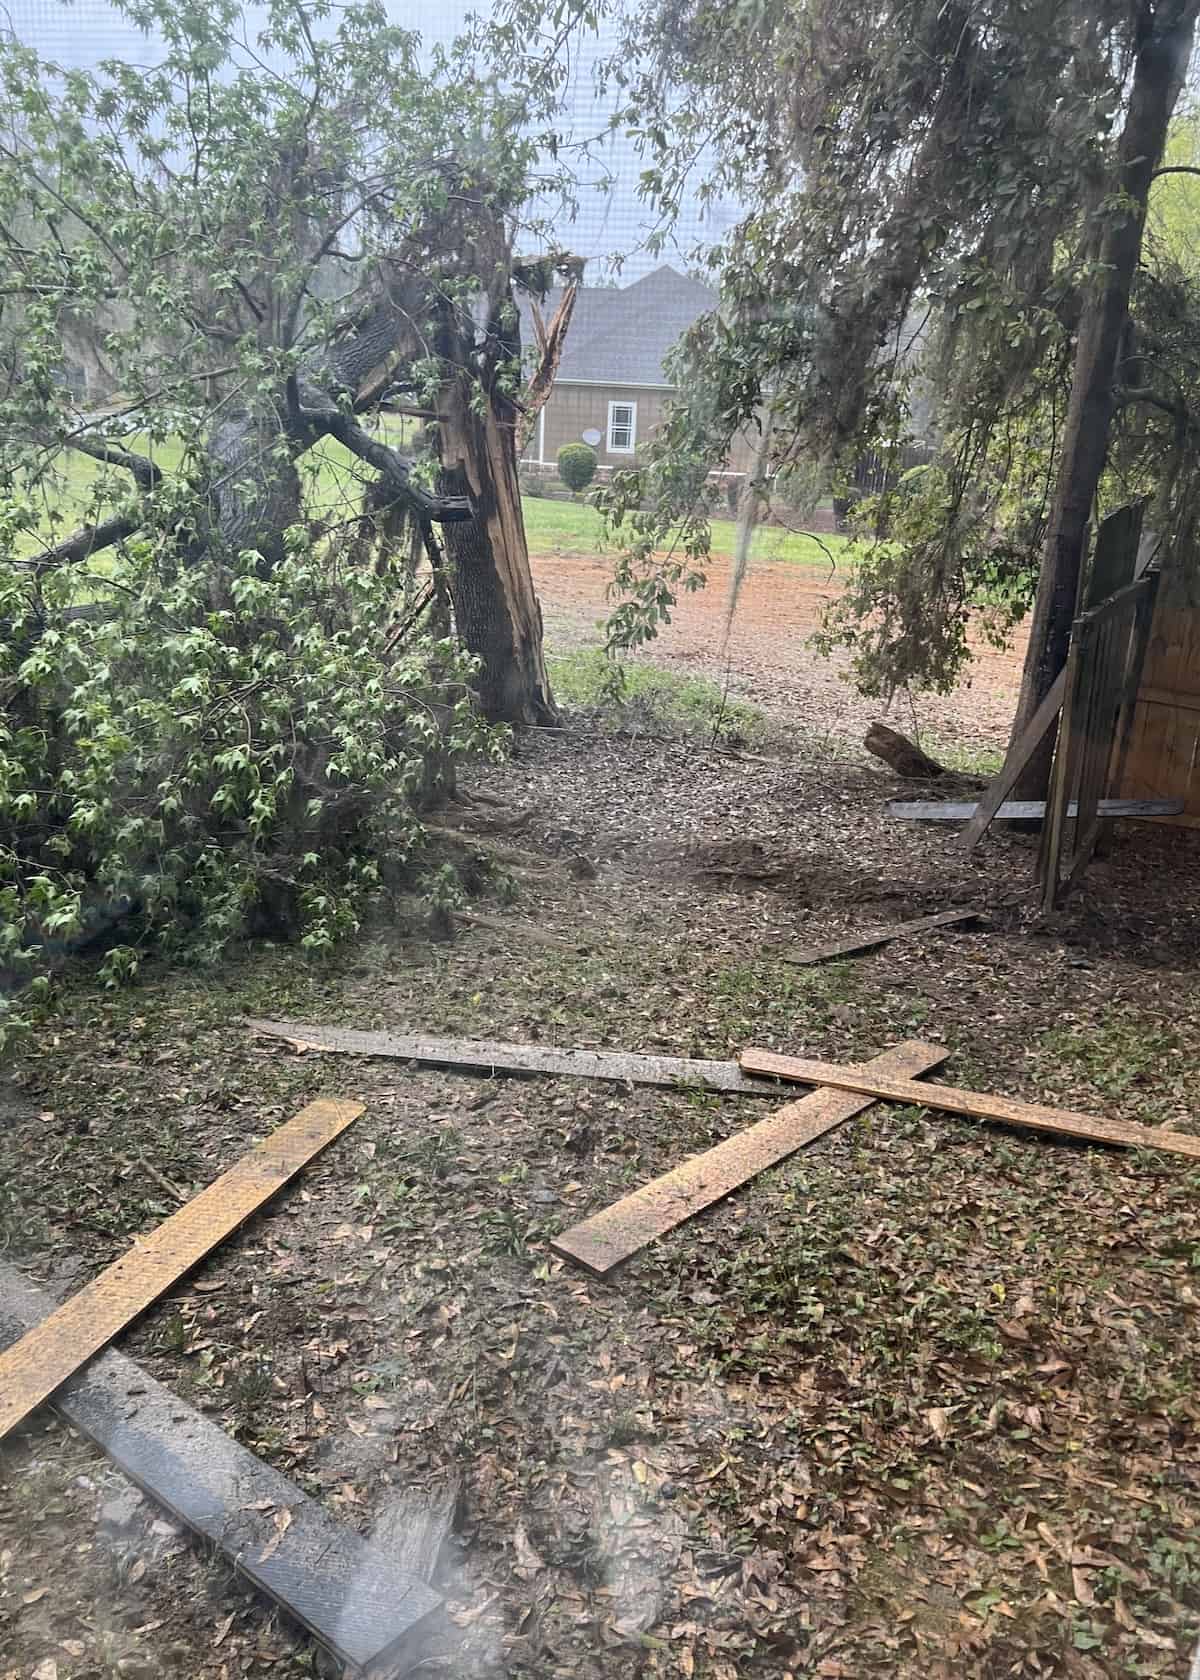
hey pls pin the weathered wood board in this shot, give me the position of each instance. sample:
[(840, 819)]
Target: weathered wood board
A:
[(1018, 757), (495, 1057), (869, 938), (1025, 810), (976, 1105), (348, 1594), (601, 1243), (1164, 748), (32, 1369)]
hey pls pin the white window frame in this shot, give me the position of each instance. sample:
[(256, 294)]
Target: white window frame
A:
[(629, 448)]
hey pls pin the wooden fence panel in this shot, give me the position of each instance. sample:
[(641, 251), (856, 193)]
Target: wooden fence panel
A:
[(1164, 747)]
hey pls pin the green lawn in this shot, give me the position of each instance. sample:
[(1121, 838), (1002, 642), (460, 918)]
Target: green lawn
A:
[(552, 527), (576, 528), (338, 479)]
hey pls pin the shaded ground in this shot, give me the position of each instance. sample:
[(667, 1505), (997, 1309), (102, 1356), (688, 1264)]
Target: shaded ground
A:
[(920, 1402), (767, 658)]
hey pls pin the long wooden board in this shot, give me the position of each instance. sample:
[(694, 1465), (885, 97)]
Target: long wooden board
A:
[(1018, 810), (606, 1239), (868, 939), (491, 1057), (1018, 757), (347, 1593), (57, 1347), (975, 1104)]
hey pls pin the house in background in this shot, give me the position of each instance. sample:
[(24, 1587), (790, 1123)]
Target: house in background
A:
[(612, 386)]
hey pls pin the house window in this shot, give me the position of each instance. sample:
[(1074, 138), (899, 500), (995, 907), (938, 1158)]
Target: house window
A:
[(622, 428)]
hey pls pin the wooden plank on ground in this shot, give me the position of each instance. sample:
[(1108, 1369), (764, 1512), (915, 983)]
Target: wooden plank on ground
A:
[(606, 1239), (1013, 810), (347, 1593), (32, 1369), (492, 1057), (977, 1105), (866, 941), (1017, 758)]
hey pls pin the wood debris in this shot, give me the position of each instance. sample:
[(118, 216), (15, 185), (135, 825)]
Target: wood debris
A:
[(53, 1350), (1025, 810), (976, 1105), (492, 1056), (601, 1243), (870, 938), (355, 1598)]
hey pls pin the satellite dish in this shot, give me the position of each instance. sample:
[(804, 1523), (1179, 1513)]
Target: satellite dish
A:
[(591, 437)]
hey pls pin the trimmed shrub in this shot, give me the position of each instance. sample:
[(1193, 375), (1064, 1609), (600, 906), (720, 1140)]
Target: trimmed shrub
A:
[(576, 466)]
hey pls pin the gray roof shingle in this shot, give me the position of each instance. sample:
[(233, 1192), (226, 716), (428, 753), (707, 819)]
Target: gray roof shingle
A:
[(619, 335)]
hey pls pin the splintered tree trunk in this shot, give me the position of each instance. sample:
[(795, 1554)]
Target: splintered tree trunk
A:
[(499, 619), (1159, 69)]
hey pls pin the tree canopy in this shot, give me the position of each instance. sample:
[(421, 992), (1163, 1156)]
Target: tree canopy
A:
[(928, 192)]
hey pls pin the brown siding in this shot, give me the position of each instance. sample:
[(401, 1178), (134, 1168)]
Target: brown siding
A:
[(575, 409)]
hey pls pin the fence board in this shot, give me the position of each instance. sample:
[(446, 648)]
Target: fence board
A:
[(350, 1595), (602, 1242)]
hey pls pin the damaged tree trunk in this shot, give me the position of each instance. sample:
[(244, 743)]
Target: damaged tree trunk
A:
[(497, 612)]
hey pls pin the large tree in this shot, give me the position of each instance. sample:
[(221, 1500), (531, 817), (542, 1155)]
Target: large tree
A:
[(946, 199), (228, 678), (256, 241)]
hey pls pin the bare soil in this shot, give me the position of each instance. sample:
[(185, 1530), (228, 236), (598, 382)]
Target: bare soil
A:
[(767, 657), (920, 1402)]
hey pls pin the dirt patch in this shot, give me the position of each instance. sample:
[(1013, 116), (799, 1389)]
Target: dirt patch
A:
[(768, 659), (920, 1402)]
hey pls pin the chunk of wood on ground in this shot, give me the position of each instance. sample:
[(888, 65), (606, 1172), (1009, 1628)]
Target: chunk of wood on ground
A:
[(905, 757), (603, 1241), (491, 1057), (50, 1353), (1025, 810), (358, 1601), (870, 938), (977, 1105)]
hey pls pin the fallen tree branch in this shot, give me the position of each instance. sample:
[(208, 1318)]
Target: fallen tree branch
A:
[(515, 930), (489, 848), (393, 467)]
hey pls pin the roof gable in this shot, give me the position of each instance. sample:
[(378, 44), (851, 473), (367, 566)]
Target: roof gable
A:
[(620, 335)]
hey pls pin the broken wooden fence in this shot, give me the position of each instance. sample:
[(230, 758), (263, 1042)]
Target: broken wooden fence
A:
[(1103, 671)]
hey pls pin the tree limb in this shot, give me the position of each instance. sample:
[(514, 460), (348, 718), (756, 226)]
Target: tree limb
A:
[(82, 544), (1130, 394), (1175, 169), (395, 470), (147, 476)]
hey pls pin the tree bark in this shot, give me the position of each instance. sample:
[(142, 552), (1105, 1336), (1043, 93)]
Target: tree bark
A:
[(1161, 62), (497, 612)]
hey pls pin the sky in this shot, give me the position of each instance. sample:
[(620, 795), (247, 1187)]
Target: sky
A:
[(610, 224)]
